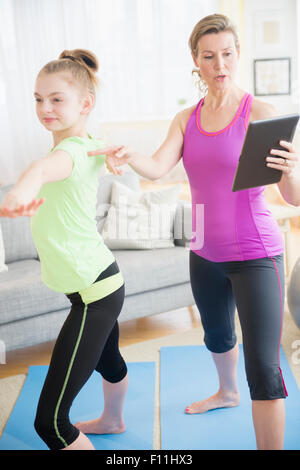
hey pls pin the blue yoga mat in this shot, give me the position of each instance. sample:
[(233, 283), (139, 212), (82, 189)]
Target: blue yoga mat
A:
[(19, 433), (188, 374)]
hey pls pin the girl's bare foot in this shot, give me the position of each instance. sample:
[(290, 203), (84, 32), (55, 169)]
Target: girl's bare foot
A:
[(81, 443), (100, 426)]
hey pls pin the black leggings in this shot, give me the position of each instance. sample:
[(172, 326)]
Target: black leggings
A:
[(256, 288), (88, 341)]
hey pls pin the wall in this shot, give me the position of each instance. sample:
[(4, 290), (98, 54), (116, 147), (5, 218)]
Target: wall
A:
[(284, 12)]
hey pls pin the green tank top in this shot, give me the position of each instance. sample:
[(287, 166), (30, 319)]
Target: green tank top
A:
[(64, 229)]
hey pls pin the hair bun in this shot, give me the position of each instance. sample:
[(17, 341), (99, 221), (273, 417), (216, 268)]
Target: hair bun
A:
[(82, 55), (68, 57)]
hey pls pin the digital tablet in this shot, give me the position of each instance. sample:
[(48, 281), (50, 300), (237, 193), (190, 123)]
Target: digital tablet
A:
[(261, 137)]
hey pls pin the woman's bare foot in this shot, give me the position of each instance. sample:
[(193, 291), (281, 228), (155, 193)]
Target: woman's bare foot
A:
[(100, 426), (218, 400)]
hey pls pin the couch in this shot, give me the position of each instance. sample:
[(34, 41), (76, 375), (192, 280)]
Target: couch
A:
[(156, 280)]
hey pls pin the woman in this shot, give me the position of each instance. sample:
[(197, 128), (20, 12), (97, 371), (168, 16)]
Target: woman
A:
[(59, 193), (241, 261)]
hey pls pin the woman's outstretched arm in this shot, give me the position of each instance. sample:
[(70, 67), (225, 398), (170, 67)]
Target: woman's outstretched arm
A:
[(161, 162)]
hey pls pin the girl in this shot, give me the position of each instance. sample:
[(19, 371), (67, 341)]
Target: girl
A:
[(59, 193), (241, 261)]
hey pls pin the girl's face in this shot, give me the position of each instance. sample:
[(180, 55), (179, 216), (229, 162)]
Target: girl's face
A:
[(217, 59), (59, 103)]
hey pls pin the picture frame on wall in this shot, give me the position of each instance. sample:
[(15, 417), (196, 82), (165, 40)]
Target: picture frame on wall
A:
[(272, 76)]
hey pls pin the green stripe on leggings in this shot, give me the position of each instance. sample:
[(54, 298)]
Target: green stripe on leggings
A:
[(67, 377)]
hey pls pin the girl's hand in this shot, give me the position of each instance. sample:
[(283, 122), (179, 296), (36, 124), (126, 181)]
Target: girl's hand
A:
[(287, 162), (115, 156), (14, 205)]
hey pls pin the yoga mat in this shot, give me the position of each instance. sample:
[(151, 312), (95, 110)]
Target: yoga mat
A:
[(19, 433), (187, 375)]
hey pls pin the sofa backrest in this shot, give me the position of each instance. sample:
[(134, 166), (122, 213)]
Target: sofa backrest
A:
[(17, 237)]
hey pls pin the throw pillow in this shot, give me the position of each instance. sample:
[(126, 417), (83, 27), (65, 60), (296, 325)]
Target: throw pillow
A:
[(140, 220), (129, 179), (3, 266)]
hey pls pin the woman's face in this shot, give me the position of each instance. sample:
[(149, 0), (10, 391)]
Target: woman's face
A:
[(59, 104), (217, 59)]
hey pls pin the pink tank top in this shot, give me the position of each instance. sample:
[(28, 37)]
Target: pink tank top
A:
[(234, 226)]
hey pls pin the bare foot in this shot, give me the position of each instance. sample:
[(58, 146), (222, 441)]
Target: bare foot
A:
[(215, 401), (100, 426), (81, 443)]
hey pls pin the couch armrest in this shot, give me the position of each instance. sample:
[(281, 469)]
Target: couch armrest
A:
[(183, 223)]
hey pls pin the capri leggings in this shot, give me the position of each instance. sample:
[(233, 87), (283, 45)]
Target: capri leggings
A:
[(88, 341), (256, 288)]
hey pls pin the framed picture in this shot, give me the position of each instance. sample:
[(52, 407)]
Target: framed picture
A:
[(272, 76), (272, 32)]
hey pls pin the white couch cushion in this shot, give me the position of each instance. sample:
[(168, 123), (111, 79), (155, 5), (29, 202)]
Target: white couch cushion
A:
[(140, 220), (3, 266)]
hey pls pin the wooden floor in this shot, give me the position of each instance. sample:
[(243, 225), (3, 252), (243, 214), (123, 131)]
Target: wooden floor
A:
[(131, 332)]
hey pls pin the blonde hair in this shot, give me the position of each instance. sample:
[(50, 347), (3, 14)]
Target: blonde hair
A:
[(215, 23), (80, 63)]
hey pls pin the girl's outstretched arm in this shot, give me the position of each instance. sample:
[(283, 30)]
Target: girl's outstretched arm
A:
[(21, 199)]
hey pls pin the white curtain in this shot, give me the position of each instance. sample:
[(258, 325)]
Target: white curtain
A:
[(142, 47)]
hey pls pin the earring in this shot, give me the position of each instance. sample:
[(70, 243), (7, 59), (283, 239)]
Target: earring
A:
[(201, 84)]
